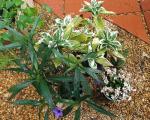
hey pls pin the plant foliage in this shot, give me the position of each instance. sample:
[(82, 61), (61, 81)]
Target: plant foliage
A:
[(59, 64)]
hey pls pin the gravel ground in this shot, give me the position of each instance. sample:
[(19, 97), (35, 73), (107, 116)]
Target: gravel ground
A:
[(138, 64)]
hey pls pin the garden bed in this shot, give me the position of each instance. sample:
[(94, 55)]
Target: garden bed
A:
[(138, 64)]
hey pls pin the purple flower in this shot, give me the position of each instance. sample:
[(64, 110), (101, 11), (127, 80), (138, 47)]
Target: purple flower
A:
[(58, 112)]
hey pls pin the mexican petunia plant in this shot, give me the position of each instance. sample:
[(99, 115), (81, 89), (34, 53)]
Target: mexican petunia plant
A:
[(60, 63)]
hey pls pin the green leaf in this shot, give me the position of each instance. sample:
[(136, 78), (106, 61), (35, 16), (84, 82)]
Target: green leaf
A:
[(2, 25), (80, 37), (69, 59), (89, 56), (99, 108), (103, 61), (20, 70), (67, 110), (86, 87), (17, 88), (66, 101), (5, 60), (78, 114), (57, 62), (45, 57), (10, 46), (119, 55), (99, 24), (9, 4), (27, 102), (5, 36), (80, 79), (37, 20), (76, 21), (105, 12), (16, 36), (77, 81), (18, 2), (45, 92), (92, 63), (91, 72), (30, 11), (33, 57), (46, 115), (61, 79)]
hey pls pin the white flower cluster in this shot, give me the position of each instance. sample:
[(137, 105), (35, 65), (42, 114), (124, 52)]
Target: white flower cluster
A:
[(117, 85)]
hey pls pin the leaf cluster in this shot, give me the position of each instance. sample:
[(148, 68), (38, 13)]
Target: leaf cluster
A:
[(61, 61)]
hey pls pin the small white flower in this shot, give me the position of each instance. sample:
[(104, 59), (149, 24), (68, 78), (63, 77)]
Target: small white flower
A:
[(110, 89), (112, 97), (106, 81), (109, 72), (96, 41), (114, 70), (40, 41), (50, 43), (58, 21)]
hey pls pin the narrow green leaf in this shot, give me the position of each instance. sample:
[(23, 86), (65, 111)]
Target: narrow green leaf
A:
[(103, 61), (27, 102), (67, 110), (45, 92), (81, 37), (60, 79), (2, 25), (45, 57), (34, 27), (99, 108), (18, 2), (77, 81), (78, 114), (86, 87), (66, 101), (33, 56), (99, 24), (16, 36), (10, 46), (91, 72), (119, 55), (17, 88), (89, 56), (46, 115)]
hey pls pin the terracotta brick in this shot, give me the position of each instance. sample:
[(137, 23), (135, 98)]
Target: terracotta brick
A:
[(56, 5), (145, 5), (73, 6), (147, 19), (122, 6), (131, 23)]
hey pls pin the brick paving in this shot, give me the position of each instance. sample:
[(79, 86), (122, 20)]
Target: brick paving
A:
[(131, 15)]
